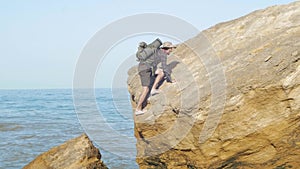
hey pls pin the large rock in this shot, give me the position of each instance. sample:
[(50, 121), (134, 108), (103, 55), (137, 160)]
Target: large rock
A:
[(77, 153), (236, 103)]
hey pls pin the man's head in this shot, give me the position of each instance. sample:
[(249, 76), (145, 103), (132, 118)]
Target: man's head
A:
[(167, 47)]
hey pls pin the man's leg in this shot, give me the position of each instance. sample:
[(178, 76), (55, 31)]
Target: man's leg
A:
[(160, 74), (142, 98)]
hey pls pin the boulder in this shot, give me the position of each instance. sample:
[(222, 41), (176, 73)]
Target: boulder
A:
[(236, 102), (77, 153)]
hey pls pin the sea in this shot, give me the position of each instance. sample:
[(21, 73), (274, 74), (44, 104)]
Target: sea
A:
[(35, 120)]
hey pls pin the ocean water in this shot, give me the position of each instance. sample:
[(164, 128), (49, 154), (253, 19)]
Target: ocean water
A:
[(33, 121)]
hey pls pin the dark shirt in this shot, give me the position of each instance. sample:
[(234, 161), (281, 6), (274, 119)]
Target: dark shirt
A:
[(158, 57)]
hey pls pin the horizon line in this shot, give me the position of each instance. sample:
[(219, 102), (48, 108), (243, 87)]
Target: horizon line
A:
[(62, 88)]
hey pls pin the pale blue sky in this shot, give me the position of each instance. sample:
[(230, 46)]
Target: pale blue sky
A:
[(42, 40)]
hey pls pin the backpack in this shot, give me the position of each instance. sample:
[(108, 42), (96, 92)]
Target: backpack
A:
[(146, 50)]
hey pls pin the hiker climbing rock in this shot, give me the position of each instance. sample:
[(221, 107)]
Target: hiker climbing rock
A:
[(153, 63)]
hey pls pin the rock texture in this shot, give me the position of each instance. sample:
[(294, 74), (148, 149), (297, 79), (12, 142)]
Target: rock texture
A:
[(236, 102), (77, 153)]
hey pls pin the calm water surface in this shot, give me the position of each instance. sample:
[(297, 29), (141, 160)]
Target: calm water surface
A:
[(33, 121)]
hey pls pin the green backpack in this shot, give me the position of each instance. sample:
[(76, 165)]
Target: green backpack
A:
[(146, 50)]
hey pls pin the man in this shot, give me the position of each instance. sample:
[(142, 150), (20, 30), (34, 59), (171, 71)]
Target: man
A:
[(147, 70)]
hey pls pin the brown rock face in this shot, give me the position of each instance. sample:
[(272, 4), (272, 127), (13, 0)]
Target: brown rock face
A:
[(236, 102), (77, 153)]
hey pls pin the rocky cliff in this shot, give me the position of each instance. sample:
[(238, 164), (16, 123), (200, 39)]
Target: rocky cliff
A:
[(77, 153), (236, 102)]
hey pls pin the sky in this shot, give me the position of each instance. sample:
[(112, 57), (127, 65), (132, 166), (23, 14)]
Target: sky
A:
[(41, 41)]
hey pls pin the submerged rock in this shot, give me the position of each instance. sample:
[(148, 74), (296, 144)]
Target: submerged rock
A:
[(77, 153), (236, 102)]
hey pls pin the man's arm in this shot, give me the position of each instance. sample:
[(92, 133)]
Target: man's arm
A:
[(164, 62), (165, 68)]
